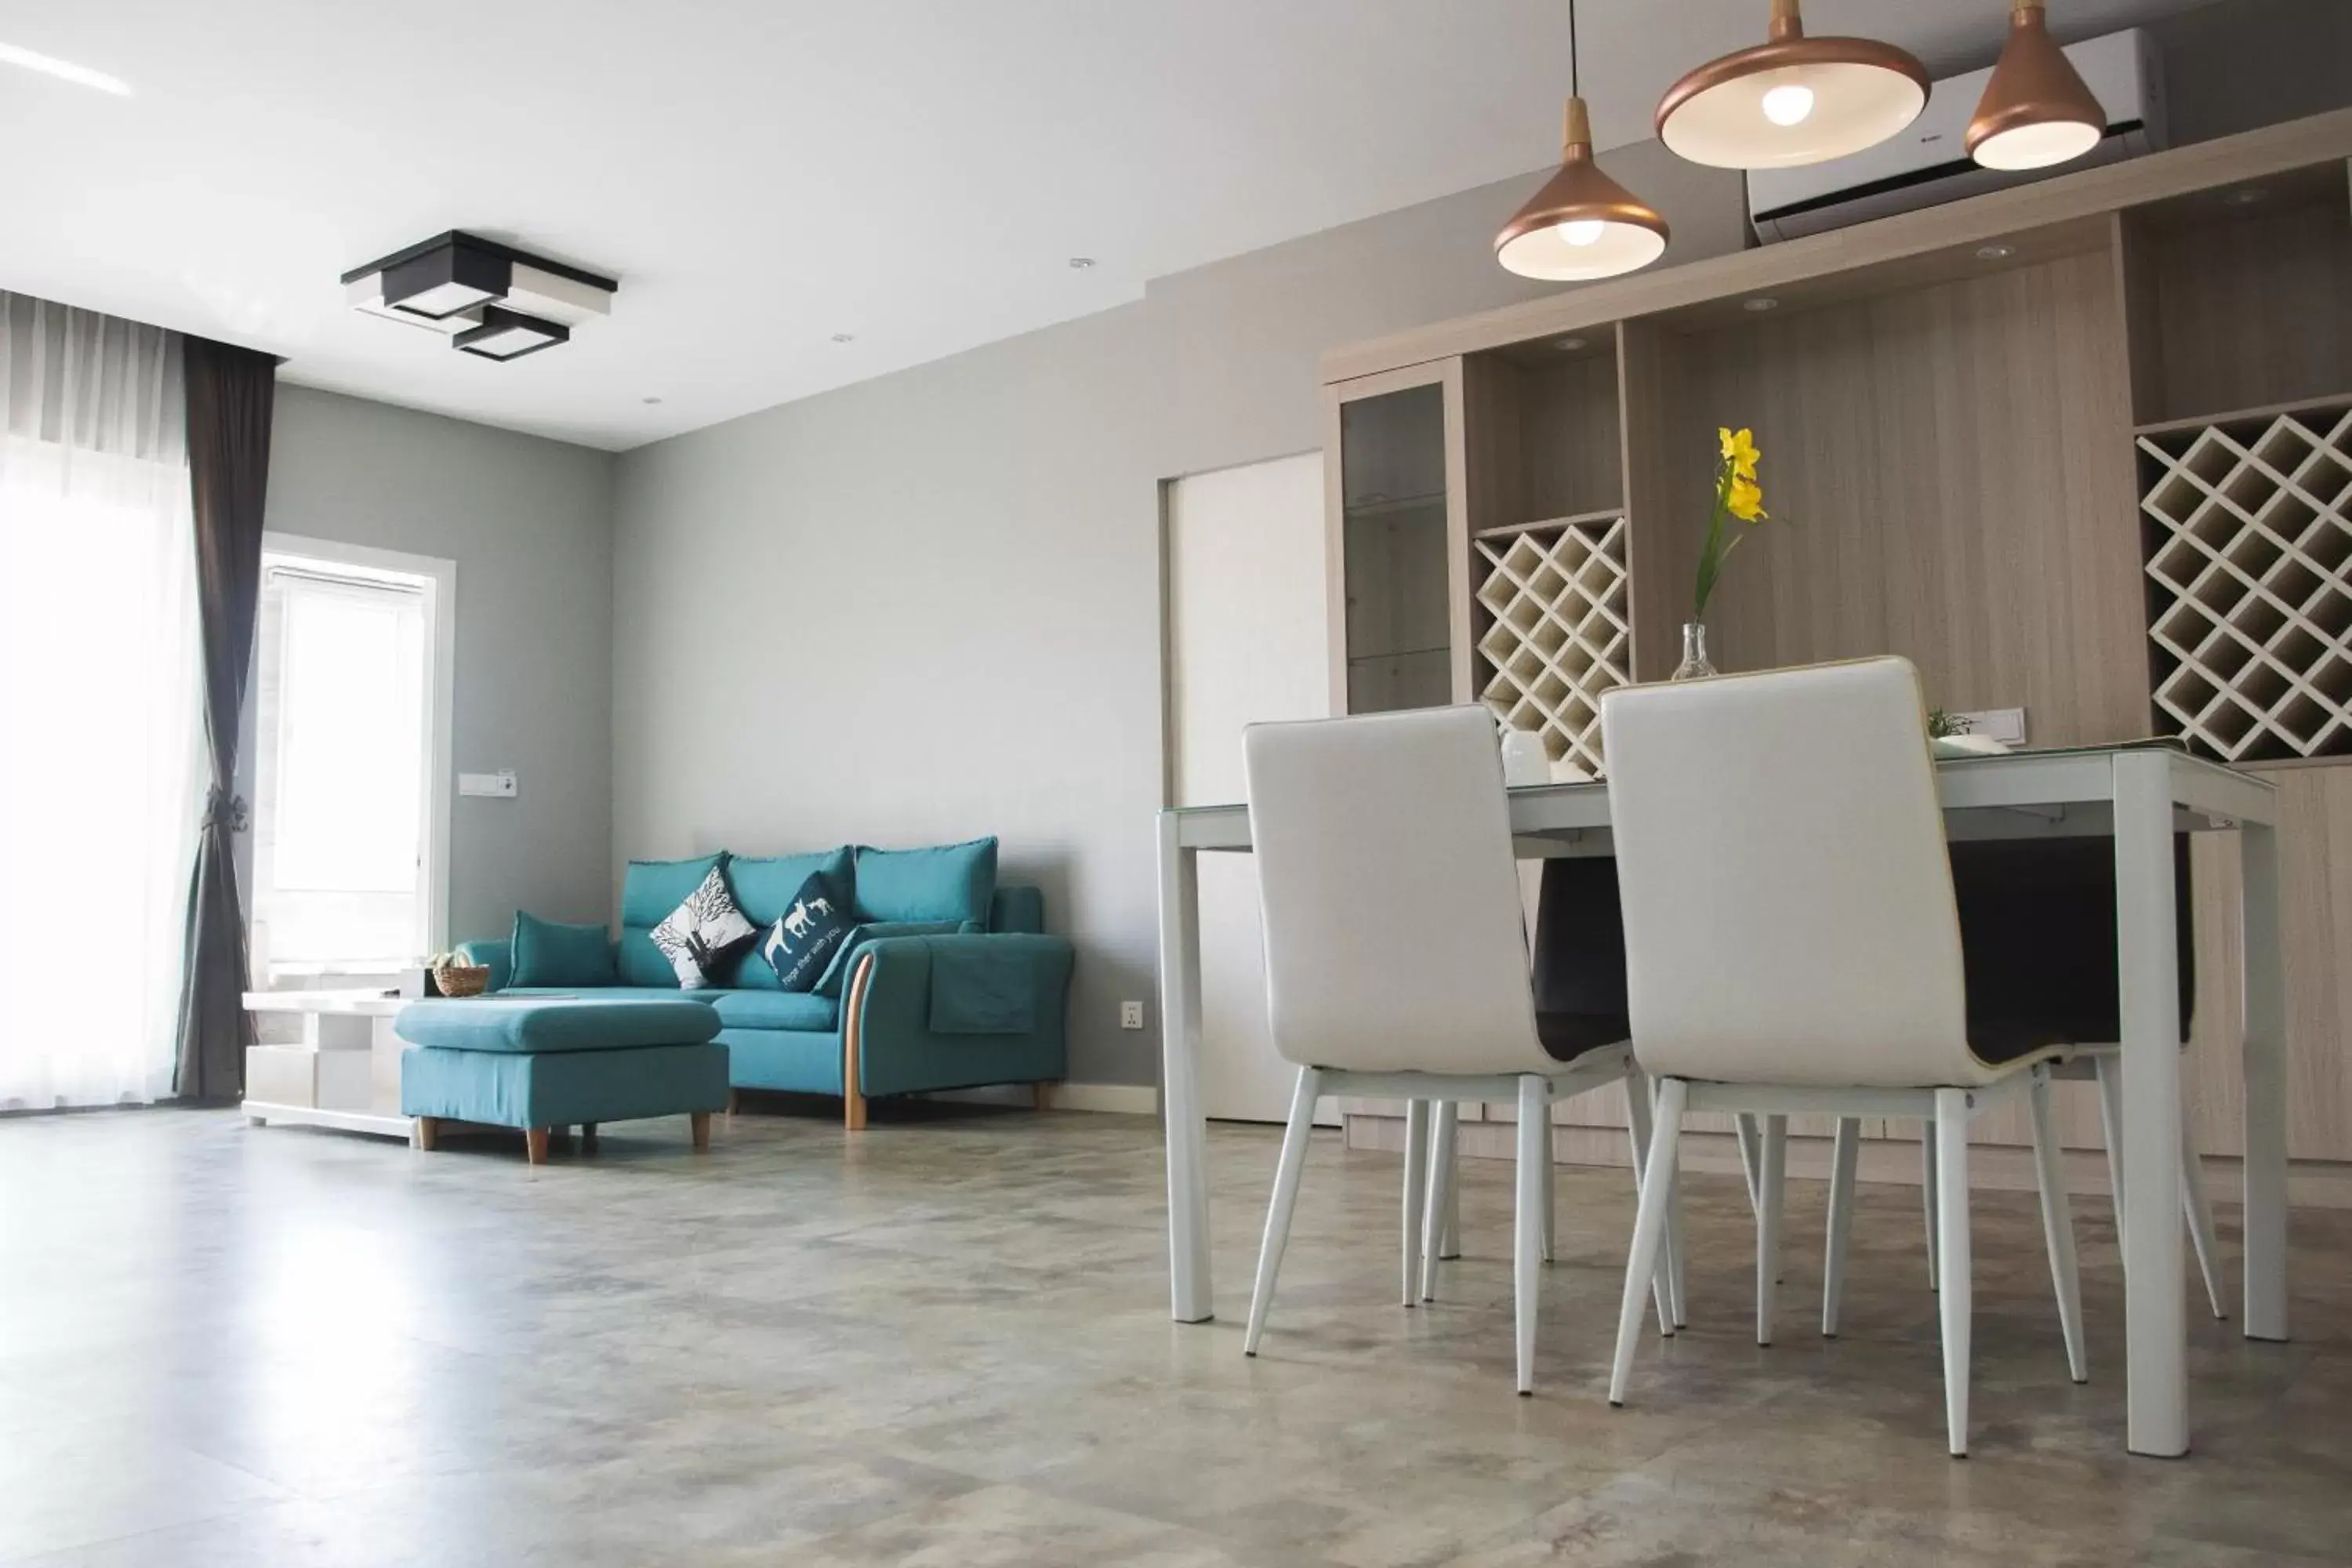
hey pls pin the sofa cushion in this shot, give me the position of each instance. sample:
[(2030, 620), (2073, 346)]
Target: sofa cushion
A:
[(950, 882), (549, 952), (650, 890), (705, 935), (765, 887), (610, 993), (774, 1009), (525, 1023)]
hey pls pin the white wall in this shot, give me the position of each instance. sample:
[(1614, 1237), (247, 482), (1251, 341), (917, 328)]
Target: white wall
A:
[(529, 522), (928, 606)]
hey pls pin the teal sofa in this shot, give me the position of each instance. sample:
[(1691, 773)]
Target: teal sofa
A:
[(947, 982)]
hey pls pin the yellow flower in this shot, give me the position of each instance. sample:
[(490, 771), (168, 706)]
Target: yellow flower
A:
[(1746, 500), (1740, 451)]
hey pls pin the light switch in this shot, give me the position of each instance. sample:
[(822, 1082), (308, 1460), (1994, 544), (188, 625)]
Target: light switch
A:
[(499, 785)]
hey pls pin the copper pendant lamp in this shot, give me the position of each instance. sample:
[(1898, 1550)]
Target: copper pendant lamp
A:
[(2036, 110), (1582, 223), (1793, 101)]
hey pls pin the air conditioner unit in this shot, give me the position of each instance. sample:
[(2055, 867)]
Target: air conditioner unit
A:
[(1929, 163)]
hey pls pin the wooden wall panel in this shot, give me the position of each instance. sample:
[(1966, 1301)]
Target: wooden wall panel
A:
[(1942, 462)]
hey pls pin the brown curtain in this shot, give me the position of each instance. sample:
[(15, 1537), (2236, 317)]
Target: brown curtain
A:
[(231, 395)]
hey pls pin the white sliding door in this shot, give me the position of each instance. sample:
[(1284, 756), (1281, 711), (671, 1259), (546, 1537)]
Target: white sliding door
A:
[(1247, 640)]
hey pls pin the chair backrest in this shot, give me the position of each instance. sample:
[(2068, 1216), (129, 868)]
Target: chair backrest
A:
[(1780, 860), (1395, 940)]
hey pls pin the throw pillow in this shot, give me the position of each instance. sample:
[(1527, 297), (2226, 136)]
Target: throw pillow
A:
[(951, 882), (702, 933), (551, 954), (802, 939)]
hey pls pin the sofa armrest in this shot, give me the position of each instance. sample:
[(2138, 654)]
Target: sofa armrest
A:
[(497, 952), (996, 1038)]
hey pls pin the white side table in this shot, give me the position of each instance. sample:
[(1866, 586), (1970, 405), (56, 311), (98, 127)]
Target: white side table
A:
[(345, 1073)]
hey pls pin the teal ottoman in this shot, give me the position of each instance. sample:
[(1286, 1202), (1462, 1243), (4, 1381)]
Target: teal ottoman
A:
[(544, 1063)]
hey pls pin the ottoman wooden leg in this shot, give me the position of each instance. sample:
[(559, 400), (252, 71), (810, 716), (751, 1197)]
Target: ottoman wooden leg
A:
[(700, 1121), (587, 1137), (534, 1143), (1043, 1095), (424, 1133)]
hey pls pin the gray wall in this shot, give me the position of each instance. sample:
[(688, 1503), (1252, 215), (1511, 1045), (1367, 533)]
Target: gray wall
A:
[(928, 606), (529, 522)]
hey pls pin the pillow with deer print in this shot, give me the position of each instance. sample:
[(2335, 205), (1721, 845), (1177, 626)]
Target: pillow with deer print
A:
[(703, 933), (804, 936)]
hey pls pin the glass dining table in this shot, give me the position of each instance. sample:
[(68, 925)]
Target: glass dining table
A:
[(2138, 796)]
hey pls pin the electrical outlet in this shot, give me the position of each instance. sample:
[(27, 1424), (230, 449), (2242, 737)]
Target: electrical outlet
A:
[(1131, 1014)]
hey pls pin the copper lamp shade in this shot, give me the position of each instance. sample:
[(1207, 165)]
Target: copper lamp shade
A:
[(2036, 110), (1793, 101), (1582, 223)]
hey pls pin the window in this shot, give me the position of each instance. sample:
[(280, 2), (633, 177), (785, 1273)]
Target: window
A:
[(347, 809)]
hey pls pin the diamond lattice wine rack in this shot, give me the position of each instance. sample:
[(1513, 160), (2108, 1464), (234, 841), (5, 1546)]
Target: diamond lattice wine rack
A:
[(2249, 543), (1559, 634)]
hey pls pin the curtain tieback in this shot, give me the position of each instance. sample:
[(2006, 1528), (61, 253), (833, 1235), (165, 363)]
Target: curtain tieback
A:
[(225, 813)]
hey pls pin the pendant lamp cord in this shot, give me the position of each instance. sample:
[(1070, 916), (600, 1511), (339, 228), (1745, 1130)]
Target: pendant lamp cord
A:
[(1575, 86)]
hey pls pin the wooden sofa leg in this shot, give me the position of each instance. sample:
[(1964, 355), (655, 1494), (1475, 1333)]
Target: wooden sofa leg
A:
[(700, 1121), (853, 1099), (587, 1137), (424, 1133), (534, 1144), (1043, 1095), (734, 1103)]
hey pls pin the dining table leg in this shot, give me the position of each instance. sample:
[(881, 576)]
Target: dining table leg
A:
[(2156, 1322), (1192, 1291), (2265, 1067)]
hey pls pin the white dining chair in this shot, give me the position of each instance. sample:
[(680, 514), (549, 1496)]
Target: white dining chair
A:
[(1396, 959), (1792, 946)]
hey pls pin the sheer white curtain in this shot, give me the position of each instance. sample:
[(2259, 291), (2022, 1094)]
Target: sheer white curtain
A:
[(100, 706)]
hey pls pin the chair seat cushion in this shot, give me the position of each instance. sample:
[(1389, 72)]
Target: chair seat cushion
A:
[(524, 1026), (774, 1009)]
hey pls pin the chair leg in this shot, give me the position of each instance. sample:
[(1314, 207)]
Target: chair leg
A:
[(2111, 1128), (1927, 1194), (1844, 1155), (1449, 1236), (1772, 1182), (1649, 1228), (1673, 1244), (1743, 1126), (1550, 1186), (1286, 1201), (1417, 1177), (1441, 1194), (1957, 1278), (1637, 1130), (2058, 1225), (1528, 1219), (2200, 1219)]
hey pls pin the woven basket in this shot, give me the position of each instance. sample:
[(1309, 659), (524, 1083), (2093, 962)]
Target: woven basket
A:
[(457, 979)]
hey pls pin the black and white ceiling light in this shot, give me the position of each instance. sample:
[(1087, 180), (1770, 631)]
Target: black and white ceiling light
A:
[(490, 300)]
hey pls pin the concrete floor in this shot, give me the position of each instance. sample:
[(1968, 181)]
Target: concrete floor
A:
[(945, 1341)]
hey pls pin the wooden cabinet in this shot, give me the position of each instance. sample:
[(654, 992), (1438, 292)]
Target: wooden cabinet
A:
[(2029, 441)]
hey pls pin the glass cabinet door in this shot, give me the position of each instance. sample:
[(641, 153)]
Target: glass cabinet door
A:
[(1395, 551)]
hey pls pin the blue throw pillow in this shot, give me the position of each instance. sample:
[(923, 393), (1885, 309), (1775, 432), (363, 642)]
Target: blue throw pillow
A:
[(548, 952), (804, 937), (951, 882)]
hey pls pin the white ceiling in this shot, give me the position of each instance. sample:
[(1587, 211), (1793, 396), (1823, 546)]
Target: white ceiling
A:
[(763, 175)]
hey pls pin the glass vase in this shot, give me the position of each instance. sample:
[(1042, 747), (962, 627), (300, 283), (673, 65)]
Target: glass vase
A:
[(1696, 665)]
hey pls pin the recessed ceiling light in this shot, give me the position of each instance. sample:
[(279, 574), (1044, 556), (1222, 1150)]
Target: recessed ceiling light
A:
[(1759, 304), (1080, 263), (1995, 252), (844, 337), (1567, 345), (64, 70), (650, 401)]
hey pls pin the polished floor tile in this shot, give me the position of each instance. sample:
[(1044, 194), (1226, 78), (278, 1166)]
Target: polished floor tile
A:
[(946, 1342)]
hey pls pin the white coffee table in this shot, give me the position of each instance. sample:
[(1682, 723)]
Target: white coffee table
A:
[(345, 1073)]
